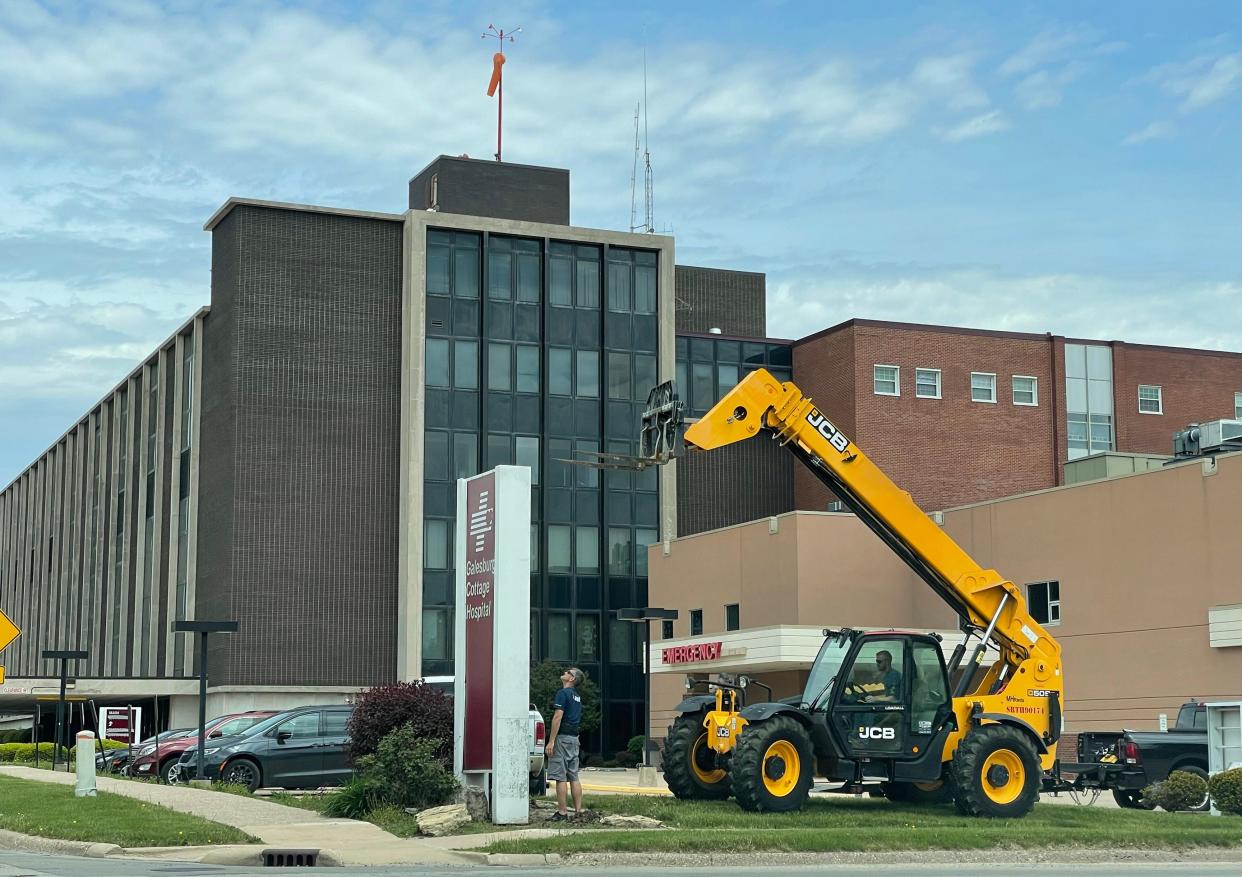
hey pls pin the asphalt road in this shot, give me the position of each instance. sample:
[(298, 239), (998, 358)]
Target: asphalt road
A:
[(14, 864)]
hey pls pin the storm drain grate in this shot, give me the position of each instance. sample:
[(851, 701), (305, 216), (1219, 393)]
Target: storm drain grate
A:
[(290, 858)]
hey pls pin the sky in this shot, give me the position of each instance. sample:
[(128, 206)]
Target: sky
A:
[(1073, 168)]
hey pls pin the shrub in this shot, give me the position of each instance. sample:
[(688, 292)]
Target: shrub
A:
[(24, 753), (385, 708), (1226, 790), (625, 758), (354, 800), (15, 735), (545, 682), (1181, 791), (635, 746), (407, 771)]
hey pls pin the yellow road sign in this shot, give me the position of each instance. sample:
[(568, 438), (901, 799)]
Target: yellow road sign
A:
[(8, 631)]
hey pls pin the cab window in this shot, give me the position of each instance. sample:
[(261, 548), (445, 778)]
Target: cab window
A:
[(927, 687), (877, 676)]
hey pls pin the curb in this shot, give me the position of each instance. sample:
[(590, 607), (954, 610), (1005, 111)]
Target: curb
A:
[(629, 790), (29, 843), (523, 858)]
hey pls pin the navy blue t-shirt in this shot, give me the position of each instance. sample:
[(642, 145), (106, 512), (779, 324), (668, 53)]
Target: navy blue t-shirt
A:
[(570, 702)]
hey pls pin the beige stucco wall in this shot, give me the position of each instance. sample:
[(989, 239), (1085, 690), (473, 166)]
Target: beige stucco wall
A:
[(1140, 561)]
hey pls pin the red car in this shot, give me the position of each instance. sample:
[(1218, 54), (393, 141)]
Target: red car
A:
[(145, 764)]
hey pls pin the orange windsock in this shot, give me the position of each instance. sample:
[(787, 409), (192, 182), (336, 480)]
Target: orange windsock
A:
[(498, 61)]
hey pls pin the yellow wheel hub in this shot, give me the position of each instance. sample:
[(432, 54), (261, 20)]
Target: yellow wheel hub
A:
[(699, 751), (781, 768), (1003, 776)]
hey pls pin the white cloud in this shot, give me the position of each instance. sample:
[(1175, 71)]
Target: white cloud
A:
[(1044, 89), (950, 77), (1045, 47), (1153, 131), (978, 126), (1201, 81)]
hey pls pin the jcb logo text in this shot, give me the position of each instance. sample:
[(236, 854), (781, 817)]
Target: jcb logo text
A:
[(865, 733), (827, 430)]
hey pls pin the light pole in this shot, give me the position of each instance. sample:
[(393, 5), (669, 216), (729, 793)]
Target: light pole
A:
[(203, 628), (62, 655), (646, 615)]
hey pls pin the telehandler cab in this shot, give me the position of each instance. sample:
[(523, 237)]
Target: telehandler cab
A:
[(879, 707)]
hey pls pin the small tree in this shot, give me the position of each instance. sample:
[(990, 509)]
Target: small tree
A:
[(1226, 789), (545, 682), (385, 708)]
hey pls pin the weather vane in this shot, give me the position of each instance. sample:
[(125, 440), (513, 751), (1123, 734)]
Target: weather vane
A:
[(496, 88)]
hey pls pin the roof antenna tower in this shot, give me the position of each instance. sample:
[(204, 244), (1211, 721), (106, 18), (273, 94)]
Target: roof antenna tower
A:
[(648, 181), (496, 87), (634, 175)]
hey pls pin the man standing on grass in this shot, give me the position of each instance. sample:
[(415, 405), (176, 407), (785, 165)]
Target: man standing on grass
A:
[(562, 749)]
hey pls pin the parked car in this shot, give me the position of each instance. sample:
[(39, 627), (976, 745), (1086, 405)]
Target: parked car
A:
[(538, 736), (301, 748), (161, 759), (1126, 762), (117, 760)]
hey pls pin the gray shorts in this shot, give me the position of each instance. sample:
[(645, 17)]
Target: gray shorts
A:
[(563, 765)]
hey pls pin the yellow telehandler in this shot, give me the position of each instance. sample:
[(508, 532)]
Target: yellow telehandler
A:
[(878, 709)]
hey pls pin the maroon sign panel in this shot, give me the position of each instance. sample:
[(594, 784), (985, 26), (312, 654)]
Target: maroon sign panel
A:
[(479, 609), (690, 654)]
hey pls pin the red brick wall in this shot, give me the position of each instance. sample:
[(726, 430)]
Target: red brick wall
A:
[(824, 370), (1196, 386), (948, 451)]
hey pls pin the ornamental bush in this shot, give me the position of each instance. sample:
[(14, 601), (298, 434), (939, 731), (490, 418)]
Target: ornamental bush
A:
[(1226, 790), (385, 708), (406, 771), (545, 682), (24, 753), (1181, 791)]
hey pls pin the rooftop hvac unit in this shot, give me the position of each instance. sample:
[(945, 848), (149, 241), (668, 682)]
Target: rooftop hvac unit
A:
[(1208, 438)]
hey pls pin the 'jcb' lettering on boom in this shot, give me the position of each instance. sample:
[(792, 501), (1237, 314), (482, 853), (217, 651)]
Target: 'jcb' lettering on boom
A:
[(827, 430)]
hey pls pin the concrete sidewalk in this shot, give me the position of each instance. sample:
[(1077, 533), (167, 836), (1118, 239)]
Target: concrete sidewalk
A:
[(347, 841)]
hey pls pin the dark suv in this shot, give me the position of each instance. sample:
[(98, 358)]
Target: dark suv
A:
[(301, 748)]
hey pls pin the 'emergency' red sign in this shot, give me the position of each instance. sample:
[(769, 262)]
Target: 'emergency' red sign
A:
[(690, 654)]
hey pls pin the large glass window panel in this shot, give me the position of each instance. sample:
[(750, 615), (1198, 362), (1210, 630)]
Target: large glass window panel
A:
[(587, 377), (435, 455), (466, 273), (703, 390), (619, 376), (560, 281), (560, 371), (435, 635), (560, 474), (499, 371), (621, 641), (466, 365), (586, 550), (436, 362), (438, 258), (588, 638), (527, 454), (465, 454), (527, 368), (437, 543), (1099, 363), (644, 289), (499, 274), (1099, 397), (558, 637), (642, 538), (499, 450), (619, 298), (681, 382), (1076, 395), (586, 275), (588, 476), (528, 277), (559, 552), (620, 551), (726, 378), (644, 376), (1075, 361)]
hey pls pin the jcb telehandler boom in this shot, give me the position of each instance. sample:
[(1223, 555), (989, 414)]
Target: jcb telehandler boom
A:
[(877, 705)]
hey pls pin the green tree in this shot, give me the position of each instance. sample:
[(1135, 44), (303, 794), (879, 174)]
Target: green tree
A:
[(545, 682)]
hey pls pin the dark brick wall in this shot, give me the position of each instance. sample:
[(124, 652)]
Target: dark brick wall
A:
[(497, 189), (713, 298), (1195, 386), (299, 482), (733, 485)]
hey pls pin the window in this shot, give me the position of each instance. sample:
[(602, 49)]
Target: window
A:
[(1237, 406), (887, 380), (927, 383), (696, 622), (1088, 399), (437, 544), (499, 270), (499, 450), (560, 281), (587, 277), (436, 363), (645, 376), (558, 548), (586, 549), (619, 376), (982, 387), (1025, 390), (620, 551), (666, 629), (1150, 400), (527, 368), (703, 389), (587, 383), (560, 371), (465, 454), (619, 298), (466, 365), (300, 727), (644, 283), (435, 635), (621, 648), (558, 636), (642, 538), (588, 638), (499, 368), (1045, 601), (733, 619), (335, 722), (435, 455), (528, 455), (234, 726)]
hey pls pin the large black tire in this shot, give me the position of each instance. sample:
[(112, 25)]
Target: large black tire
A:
[(937, 792), (242, 772), (539, 784), (166, 769), (690, 767), (1131, 799), (773, 766), (996, 773)]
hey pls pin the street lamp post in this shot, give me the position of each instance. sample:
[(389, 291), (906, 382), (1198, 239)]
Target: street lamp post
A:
[(62, 655), (646, 615), (203, 628)]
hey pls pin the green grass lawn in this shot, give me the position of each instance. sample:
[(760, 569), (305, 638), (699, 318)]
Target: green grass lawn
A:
[(51, 810), (393, 820), (876, 824)]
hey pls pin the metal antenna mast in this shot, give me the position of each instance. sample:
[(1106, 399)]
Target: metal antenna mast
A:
[(496, 86), (634, 177), (649, 183)]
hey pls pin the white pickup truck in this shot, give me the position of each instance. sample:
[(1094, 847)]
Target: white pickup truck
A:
[(538, 738)]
